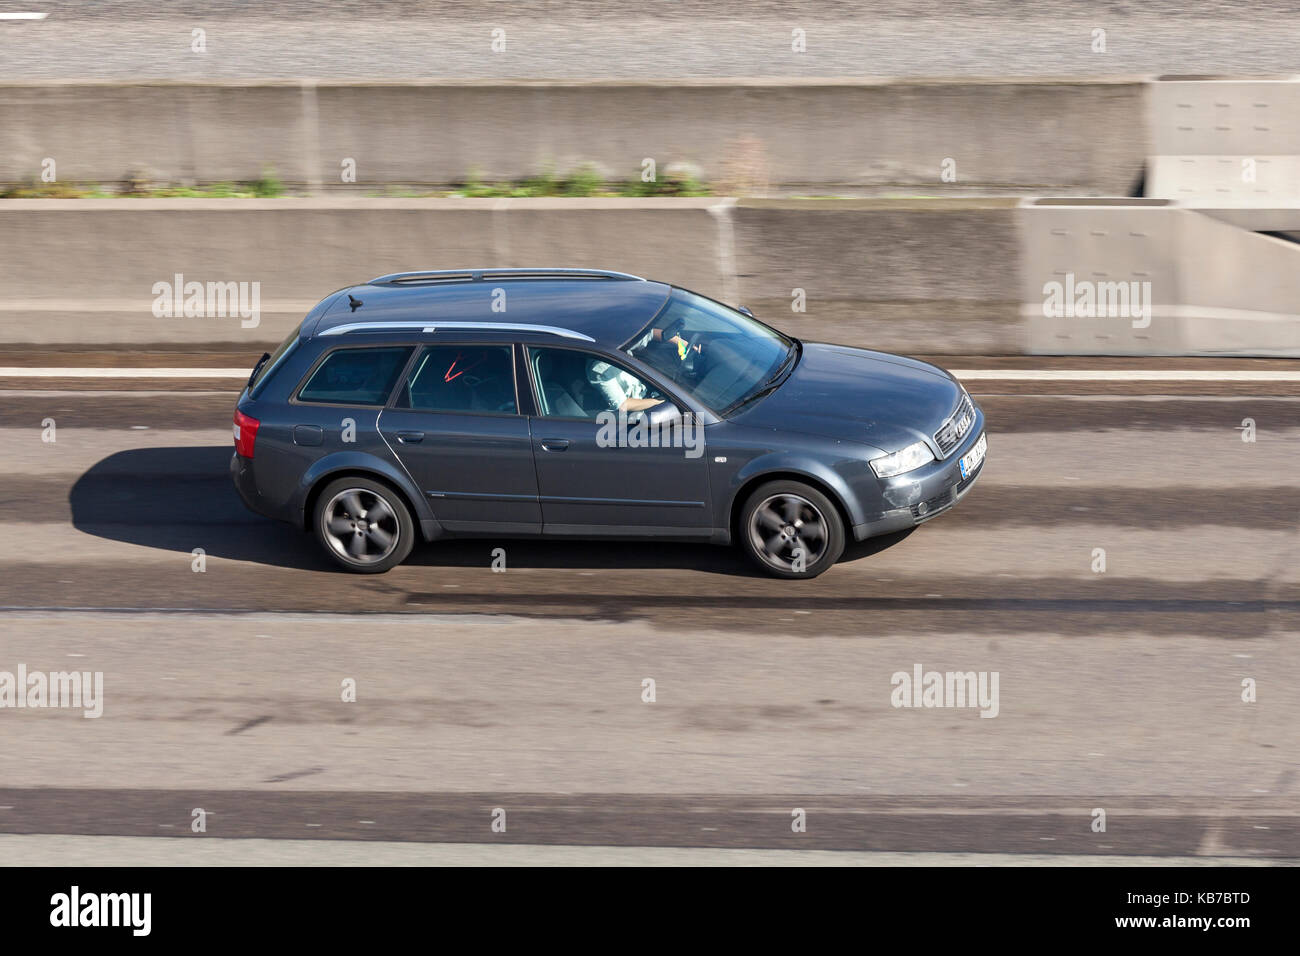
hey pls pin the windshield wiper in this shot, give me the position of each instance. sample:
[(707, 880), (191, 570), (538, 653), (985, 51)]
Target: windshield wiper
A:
[(772, 383), (752, 397)]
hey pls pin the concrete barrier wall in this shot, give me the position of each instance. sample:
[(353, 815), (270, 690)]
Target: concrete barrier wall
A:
[(1216, 140), (954, 276), (905, 276), (178, 132), (112, 250), (1213, 287), (1083, 245), (1086, 136), (1240, 290)]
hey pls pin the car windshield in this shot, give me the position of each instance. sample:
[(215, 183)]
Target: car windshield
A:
[(719, 356)]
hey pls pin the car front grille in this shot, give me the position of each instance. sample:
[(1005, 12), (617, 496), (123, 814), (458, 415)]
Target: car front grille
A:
[(957, 427)]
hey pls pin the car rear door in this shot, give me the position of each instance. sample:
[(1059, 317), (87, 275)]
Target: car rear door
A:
[(456, 425)]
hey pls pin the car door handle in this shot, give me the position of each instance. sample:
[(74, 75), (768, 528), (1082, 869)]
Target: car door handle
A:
[(555, 444), (410, 438)]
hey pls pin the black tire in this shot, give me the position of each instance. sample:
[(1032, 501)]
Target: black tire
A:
[(362, 542), (777, 519)]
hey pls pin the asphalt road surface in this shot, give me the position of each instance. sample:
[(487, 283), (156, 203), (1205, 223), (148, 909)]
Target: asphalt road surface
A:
[(133, 39), (522, 692)]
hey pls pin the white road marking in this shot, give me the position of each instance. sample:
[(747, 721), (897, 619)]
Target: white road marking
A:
[(23, 16), (69, 372), (974, 375), (138, 393), (22, 849), (1126, 375)]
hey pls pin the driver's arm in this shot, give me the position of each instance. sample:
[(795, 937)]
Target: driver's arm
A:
[(610, 384), (638, 404)]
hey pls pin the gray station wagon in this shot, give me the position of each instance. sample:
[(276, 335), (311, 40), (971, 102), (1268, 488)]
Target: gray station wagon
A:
[(586, 403)]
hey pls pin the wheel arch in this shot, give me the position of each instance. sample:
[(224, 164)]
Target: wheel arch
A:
[(786, 474), (315, 481)]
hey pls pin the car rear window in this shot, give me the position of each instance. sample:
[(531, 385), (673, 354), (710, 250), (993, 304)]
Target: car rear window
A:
[(279, 355), (356, 376), (462, 378)]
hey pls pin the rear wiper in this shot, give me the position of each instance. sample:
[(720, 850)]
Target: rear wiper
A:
[(257, 368)]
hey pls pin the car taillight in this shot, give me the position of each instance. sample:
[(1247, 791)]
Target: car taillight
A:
[(245, 433)]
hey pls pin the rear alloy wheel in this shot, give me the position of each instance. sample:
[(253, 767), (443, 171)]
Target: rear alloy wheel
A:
[(791, 530), (363, 525)]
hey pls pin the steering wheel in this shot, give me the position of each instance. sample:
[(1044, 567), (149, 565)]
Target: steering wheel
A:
[(694, 349)]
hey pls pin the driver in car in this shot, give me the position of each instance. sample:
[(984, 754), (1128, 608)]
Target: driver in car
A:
[(622, 391), (676, 342), (625, 392)]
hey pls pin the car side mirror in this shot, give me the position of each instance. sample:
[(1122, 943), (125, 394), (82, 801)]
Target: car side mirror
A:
[(745, 309), (663, 414)]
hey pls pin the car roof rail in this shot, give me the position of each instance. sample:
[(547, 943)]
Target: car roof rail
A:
[(436, 326), (480, 275)]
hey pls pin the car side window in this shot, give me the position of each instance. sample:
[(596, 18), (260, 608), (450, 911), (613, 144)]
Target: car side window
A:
[(356, 376), (574, 384), (461, 378)]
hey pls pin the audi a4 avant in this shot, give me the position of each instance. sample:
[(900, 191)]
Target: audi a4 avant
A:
[(575, 403)]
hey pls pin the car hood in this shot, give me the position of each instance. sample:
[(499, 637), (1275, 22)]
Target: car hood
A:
[(875, 398)]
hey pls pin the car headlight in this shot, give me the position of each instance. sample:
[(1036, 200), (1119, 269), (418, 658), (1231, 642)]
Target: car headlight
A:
[(913, 456)]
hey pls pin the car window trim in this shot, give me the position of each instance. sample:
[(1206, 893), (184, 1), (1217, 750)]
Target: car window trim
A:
[(620, 360), (295, 399), (422, 348)]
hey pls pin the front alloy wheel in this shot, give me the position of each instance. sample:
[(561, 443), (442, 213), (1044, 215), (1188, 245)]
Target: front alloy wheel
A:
[(791, 530)]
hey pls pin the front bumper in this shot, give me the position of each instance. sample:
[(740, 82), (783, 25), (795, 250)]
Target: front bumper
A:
[(916, 497)]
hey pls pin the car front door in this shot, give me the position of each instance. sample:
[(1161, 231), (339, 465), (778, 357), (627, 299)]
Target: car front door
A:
[(455, 423), (597, 472)]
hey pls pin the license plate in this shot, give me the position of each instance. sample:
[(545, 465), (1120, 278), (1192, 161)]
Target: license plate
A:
[(972, 460)]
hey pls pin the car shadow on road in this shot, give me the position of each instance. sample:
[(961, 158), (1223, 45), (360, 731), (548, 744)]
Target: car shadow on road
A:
[(179, 499)]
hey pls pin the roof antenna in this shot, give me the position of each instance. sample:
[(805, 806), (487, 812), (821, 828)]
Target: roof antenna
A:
[(354, 302)]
